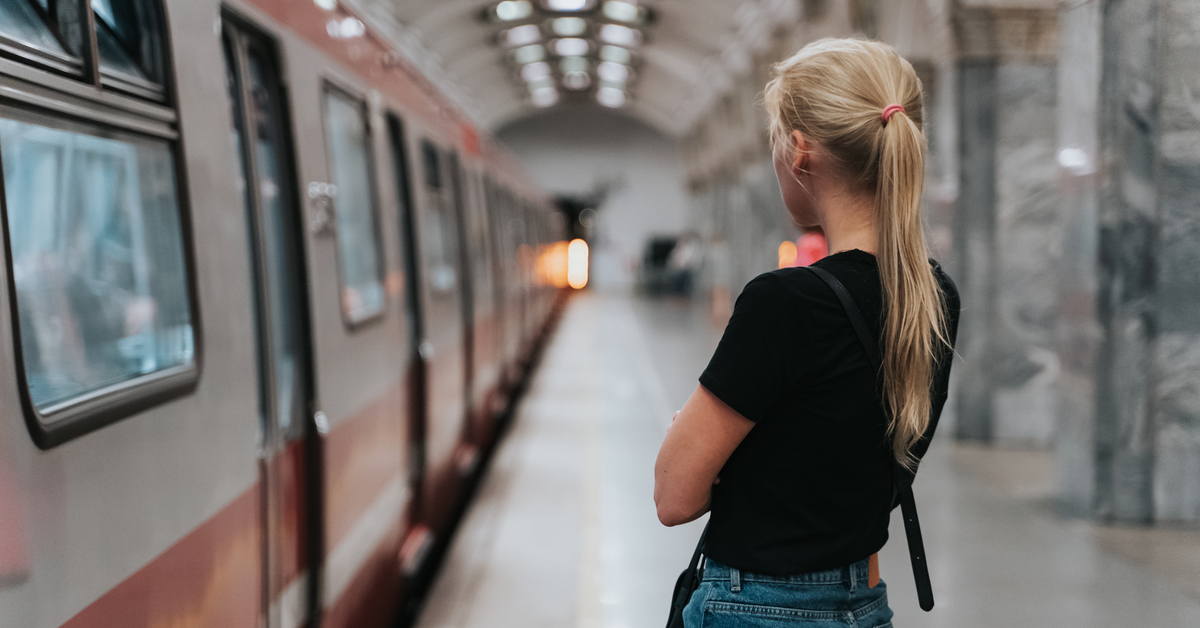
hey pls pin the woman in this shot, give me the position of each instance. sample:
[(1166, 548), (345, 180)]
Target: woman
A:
[(786, 440)]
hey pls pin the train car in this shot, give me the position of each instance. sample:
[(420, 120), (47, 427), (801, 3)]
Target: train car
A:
[(268, 293)]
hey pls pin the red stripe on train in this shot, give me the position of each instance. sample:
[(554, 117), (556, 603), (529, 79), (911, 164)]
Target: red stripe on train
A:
[(208, 578), (211, 577)]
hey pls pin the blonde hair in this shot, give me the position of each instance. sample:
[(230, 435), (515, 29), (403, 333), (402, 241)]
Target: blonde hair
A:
[(834, 92)]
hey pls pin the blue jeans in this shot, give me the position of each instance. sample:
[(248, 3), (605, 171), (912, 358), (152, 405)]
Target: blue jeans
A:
[(728, 598)]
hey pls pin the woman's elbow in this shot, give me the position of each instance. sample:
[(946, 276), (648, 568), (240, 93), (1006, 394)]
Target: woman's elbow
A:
[(676, 512), (670, 516)]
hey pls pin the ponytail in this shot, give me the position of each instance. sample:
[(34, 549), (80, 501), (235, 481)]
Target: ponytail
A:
[(836, 91), (914, 325)]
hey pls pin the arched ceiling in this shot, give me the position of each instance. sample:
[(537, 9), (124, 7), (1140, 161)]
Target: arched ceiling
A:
[(692, 50)]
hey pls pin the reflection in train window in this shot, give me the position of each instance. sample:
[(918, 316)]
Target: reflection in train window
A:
[(127, 38), (98, 260), (354, 208), (21, 22)]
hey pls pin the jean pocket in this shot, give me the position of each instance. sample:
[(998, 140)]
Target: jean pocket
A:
[(735, 615)]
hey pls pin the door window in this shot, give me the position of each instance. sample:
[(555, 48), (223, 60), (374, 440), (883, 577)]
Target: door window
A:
[(350, 166)]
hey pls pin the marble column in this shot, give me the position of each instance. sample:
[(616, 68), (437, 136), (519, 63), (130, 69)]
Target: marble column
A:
[(1176, 398), (1007, 225), (1079, 332), (1129, 233)]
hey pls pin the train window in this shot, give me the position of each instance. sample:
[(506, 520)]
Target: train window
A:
[(99, 276), (357, 237), (128, 41), (21, 23), (439, 235), (433, 168)]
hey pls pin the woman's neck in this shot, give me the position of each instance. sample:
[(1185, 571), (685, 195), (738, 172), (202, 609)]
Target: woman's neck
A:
[(848, 220)]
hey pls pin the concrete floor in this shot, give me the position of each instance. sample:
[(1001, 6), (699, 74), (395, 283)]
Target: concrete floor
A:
[(563, 531)]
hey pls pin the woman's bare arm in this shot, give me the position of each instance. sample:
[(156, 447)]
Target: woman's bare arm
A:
[(701, 438)]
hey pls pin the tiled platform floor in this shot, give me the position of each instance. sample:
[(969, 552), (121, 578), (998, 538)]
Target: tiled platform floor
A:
[(564, 533)]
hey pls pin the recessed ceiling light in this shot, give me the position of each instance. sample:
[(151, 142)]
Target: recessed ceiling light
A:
[(535, 71), (567, 5), (522, 35), (573, 64), (613, 84), (620, 11), (544, 97), (576, 80), (613, 71), (569, 26), (540, 83), (514, 10), (328, 5), (610, 97), (620, 35), (529, 54), (616, 54), (571, 47), (346, 28)]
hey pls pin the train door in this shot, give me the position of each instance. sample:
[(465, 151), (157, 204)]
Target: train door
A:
[(415, 363), (288, 456), (442, 347), (460, 200)]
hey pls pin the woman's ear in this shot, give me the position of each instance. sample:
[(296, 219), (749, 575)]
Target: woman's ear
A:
[(801, 151)]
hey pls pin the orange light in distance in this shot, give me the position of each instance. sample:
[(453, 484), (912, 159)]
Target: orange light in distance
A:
[(552, 265), (577, 264), (787, 254)]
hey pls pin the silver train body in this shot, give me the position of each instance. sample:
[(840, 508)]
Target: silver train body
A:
[(267, 296)]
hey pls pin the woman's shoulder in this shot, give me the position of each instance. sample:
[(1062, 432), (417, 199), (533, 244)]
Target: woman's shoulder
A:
[(784, 285), (949, 289)]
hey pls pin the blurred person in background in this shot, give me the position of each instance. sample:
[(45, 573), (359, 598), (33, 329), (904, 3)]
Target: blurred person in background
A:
[(792, 438), (811, 247)]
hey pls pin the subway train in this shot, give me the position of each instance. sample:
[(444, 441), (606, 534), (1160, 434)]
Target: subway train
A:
[(269, 295)]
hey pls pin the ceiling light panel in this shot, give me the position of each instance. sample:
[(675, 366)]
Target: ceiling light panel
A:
[(569, 26), (616, 54), (574, 64), (620, 35), (576, 80), (568, 6), (529, 54), (540, 83), (613, 71), (522, 35), (621, 11), (610, 97), (572, 47), (543, 97), (512, 10), (535, 71)]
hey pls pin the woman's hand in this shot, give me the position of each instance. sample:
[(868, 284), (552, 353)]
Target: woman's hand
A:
[(701, 438)]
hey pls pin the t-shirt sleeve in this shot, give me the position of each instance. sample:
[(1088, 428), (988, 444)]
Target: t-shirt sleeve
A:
[(755, 364)]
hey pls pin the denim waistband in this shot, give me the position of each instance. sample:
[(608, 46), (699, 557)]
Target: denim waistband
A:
[(714, 571)]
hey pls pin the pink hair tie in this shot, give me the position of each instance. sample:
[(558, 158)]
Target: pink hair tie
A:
[(889, 110)]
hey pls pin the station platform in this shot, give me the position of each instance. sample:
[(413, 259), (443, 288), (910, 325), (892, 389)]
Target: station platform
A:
[(563, 529)]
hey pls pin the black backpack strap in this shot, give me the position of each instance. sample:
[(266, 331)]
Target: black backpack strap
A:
[(901, 477), (687, 583)]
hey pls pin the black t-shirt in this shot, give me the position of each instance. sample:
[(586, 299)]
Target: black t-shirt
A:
[(810, 487)]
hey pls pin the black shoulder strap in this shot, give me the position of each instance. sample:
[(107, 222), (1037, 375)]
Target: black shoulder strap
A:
[(901, 477)]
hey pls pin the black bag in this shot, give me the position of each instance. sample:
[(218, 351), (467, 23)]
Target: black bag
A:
[(686, 585), (902, 478)]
